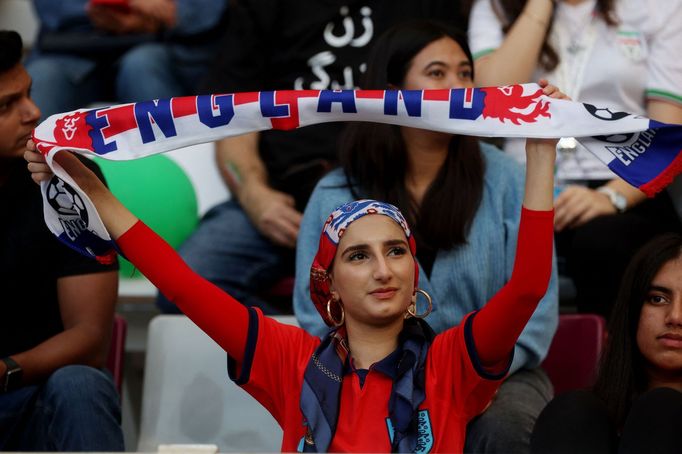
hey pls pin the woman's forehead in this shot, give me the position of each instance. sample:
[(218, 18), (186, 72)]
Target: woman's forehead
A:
[(372, 228)]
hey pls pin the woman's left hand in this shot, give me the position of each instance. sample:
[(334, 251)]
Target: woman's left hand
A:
[(540, 157), (553, 92)]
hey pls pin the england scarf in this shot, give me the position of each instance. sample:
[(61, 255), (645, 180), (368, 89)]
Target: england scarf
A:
[(645, 153)]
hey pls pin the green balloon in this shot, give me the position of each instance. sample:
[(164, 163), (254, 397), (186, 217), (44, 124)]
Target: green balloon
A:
[(158, 191)]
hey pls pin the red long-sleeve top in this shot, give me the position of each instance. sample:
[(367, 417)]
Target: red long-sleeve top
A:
[(465, 364)]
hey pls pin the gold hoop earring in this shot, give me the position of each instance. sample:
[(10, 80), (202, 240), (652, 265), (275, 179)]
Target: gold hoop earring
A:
[(331, 317), (428, 310)]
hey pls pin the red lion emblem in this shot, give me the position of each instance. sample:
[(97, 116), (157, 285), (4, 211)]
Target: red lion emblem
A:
[(508, 103), (72, 130)]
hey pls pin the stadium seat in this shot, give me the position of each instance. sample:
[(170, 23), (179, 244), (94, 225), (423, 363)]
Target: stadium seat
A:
[(574, 353), (188, 398)]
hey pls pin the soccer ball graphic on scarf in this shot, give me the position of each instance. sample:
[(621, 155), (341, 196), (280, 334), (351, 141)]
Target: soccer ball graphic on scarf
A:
[(65, 200)]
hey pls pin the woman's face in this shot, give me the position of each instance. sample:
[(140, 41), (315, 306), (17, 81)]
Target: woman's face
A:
[(659, 333), (373, 273), (441, 64)]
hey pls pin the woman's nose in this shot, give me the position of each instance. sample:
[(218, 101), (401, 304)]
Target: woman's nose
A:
[(382, 271), (674, 315)]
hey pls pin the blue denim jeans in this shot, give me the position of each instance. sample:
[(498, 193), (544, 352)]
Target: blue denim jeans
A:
[(63, 82), (227, 250), (76, 409), (169, 70)]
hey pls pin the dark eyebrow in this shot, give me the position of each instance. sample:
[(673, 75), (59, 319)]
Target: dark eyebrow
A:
[(10, 98), (436, 63), (7, 97), (355, 247), (363, 246), (462, 64), (660, 288)]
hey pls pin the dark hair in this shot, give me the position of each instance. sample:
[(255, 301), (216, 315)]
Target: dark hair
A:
[(374, 156), (10, 49), (621, 371), (508, 11)]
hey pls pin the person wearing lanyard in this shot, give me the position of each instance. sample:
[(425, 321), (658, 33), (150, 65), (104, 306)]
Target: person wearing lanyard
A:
[(617, 56)]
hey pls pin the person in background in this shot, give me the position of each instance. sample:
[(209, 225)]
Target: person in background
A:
[(246, 244), (57, 307), (636, 404), (89, 52), (462, 198), (617, 55)]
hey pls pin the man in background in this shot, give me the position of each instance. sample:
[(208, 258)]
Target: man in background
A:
[(56, 306)]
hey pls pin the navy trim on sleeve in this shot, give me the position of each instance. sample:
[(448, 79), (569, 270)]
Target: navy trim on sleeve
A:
[(249, 350), (473, 354)]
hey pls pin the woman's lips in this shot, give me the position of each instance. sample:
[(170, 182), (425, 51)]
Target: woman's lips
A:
[(384, 293), (671, 340)]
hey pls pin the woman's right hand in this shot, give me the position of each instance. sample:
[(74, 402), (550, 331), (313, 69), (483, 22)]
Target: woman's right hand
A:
[(117, 219), (37, 165), (40, 171)]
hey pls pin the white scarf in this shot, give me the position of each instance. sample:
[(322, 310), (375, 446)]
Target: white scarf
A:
[(645, 153)]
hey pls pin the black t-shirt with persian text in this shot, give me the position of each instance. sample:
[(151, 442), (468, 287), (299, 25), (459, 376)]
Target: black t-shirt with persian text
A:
[(301, 44)]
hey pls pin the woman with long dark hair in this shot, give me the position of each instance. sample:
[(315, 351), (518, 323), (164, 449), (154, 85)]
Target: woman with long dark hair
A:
[(461, 196), (637, 400), (617, 55)]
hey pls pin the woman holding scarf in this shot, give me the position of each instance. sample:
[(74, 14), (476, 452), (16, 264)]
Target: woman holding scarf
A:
[(381, 380), (461, 197)]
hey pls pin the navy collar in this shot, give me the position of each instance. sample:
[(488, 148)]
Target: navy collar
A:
[(388, 366)]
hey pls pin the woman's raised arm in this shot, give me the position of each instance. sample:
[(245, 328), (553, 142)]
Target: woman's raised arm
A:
[(499, 324), (222, 317)]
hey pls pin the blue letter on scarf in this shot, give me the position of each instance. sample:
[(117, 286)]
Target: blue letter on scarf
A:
[(411, 98), (205, 110), (466, 104), (158, 111), (345, 97), (268, 108), (97, 124)]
